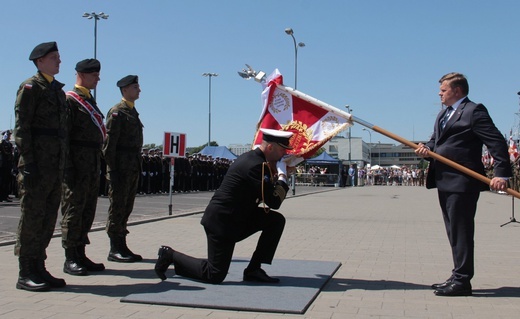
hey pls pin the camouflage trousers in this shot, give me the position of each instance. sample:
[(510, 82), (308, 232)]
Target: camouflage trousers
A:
[(39, 204), (121, 192), (78, 206)]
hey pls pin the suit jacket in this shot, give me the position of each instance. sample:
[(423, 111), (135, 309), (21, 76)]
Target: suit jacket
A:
[(237, 200), (461, 141)]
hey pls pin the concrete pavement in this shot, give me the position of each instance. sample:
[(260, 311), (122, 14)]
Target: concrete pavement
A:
[(390, 240)]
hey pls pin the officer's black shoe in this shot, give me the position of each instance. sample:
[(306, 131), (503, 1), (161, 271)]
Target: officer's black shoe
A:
[(164, 261), (85, 261), (258, 275), (47, 277), (28, 278)]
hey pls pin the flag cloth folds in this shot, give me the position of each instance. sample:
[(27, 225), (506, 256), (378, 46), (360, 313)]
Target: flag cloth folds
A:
[(312, 124)]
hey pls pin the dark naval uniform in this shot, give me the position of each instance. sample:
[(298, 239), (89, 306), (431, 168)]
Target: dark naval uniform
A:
[(81, 181), (241, 207), (40, 135), (122, 151)]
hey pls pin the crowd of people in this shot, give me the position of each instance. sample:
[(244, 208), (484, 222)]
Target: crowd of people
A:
[(404, 176)]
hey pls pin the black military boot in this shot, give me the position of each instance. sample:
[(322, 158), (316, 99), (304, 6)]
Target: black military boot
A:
[(85, 261), (164, 261), (47, 277), (72, 265), (28, 279), (136, 257), (117, 252)]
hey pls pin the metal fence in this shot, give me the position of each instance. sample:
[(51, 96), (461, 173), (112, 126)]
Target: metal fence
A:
[(307, 179)]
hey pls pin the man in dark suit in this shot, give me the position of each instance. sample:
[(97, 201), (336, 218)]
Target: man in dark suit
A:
[(459, 133), (241, 207)]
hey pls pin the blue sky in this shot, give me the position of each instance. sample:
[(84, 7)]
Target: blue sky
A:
[(383, 58)]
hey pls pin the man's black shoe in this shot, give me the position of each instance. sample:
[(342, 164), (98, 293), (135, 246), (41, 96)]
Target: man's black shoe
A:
[(164, 261), (32, 283), (442, 285), (92, 266), (120, 257), (85, 261), (47, 277), (258, 275), (72, 267), (453, 290)]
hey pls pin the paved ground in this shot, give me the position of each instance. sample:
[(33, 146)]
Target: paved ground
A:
[(390, 241)]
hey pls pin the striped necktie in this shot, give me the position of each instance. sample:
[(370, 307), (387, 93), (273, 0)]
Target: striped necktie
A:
[(446, 117)]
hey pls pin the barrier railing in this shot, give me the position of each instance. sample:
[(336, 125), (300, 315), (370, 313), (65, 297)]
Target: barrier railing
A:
[(307, 179)]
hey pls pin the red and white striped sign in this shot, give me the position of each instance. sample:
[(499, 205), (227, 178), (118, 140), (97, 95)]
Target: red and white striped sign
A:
[(174, 144)]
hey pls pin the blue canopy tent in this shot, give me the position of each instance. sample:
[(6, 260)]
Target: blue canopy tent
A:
[(324, 160), (218, 151)]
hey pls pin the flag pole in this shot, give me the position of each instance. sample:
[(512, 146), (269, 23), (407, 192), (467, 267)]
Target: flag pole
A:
[(391, 135)]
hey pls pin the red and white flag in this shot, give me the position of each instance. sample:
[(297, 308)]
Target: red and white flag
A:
[(513, 150), (312, 122)]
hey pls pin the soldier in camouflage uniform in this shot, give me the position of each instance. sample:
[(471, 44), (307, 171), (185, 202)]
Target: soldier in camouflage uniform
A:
[(122, 154), (40, 135), (81, 181)]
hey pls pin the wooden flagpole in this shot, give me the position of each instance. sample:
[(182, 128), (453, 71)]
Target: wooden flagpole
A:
[(391, 135)]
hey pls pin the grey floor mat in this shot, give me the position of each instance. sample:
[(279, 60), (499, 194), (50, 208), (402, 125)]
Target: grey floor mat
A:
[(300, 283)]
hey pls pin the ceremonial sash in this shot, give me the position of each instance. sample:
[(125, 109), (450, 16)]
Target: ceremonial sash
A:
[(94, 115)]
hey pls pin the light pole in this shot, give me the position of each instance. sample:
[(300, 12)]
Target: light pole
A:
[(379, 148), (290, 32), (210, 75), (349, 136), (370, 147), (96, 17)]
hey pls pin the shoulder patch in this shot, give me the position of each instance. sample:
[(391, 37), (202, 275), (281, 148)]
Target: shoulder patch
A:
[(114, 114), (27, 86)]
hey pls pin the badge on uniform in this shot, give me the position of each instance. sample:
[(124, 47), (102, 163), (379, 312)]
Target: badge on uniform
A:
[(27, 86)]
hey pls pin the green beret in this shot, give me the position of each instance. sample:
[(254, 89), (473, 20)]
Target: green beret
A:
[(88, 66), (43, 49), (127, 80)]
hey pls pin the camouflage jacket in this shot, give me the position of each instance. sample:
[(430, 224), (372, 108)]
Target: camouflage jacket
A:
[(41, 123), (122, 148), (85, 138)]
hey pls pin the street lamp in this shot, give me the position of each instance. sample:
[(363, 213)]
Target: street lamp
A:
[(210, 75), (290, 32), (96, 17), (349, 136), (379, 148), (370, 147)]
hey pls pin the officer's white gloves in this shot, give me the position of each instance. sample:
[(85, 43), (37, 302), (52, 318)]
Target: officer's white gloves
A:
[(281, 167)]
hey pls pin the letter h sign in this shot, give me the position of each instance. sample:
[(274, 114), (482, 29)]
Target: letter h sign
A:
[(174, 144)]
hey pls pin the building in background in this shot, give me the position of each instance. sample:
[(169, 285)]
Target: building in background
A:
[(362, 153)]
